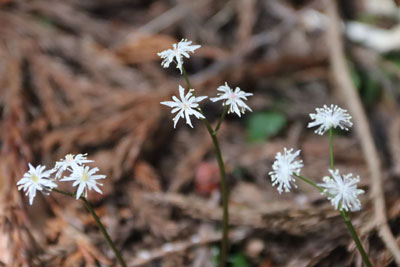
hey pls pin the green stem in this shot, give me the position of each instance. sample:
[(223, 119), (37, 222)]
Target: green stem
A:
[(224, 188), (63, 192), (353, 233), (99, 224), (221, 119), (347, 220), (308, 181), (186, 78), (344, 213), (224, 191), (331, 146)]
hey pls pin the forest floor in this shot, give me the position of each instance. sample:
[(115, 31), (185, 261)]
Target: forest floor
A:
[(84, 77)]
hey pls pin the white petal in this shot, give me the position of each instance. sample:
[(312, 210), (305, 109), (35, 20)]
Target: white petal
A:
[(181, 92), (80, 189), (170, 104)]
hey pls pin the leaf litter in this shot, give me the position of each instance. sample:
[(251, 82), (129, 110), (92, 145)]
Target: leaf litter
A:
[(83, 77)]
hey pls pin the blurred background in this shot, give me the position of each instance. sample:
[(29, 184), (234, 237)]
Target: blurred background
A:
[(84, 77)]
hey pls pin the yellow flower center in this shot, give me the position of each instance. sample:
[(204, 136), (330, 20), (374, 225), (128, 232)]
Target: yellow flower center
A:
[(85, 176), (34, 178)]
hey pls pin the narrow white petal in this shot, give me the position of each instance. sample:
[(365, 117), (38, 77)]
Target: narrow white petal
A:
[(170, 104), (80, 189), (200, 98), (181, 92), (197, 114), (97, 189), (188, 119)]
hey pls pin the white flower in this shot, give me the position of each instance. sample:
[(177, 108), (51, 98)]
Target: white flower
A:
[(180, 49), (342, 192), (284, 169), (69, 161), (188, 105), (36, 179), (233, 98), (327, 118), (85, 178)]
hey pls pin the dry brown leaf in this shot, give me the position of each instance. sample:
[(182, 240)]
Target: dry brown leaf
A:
[(147, 176), (144, 48)]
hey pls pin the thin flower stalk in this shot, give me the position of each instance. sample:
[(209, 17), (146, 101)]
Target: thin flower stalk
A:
[(38, 179), (310, 182), (355, 237), (234, 102), (221, 119), (224, 187), (103, 230), (345, 214), (347, 220), (331, 147), (341, 190)]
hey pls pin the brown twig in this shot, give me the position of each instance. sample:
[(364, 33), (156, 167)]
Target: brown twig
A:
[(349, 93), (145, 256), (166, 19), (395, 141)]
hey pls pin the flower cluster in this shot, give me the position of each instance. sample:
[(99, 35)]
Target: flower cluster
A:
[(70, 161), (39, 179), (341, 190), (189, 104)]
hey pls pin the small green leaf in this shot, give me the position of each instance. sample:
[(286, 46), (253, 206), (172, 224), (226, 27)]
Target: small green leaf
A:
[(239, 260), (263, 125)]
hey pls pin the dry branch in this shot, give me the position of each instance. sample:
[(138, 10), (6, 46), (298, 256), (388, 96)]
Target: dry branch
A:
[(349, 93)]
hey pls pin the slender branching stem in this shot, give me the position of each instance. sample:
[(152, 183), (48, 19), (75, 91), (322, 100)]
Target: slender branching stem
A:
[(347, 221), (354, 235), (225, 197), (221, 119), (345, 214), (186, 78), (308, 181), (331, 146), (99, 224), (224, 187)]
